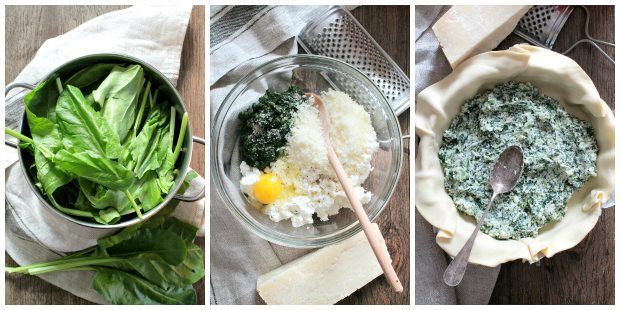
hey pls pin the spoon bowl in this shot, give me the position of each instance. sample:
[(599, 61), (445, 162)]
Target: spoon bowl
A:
[(507, 170)]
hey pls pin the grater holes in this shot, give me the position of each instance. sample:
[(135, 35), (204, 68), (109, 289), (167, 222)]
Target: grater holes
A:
[(358, 50)]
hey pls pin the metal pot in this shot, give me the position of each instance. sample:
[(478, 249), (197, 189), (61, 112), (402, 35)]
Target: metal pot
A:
[(166, 89)]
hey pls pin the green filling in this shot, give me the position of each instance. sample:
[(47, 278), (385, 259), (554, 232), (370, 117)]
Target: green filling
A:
[(266, 125), (559, 151)]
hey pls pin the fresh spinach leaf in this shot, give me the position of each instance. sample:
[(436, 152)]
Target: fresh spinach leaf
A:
[(41, 101), (121, 287), (118, 96), (83, 128), (90, 75), (92, 166), (154, 262)]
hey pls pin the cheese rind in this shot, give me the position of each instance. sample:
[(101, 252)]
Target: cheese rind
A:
[(322, 277), (468, 30)]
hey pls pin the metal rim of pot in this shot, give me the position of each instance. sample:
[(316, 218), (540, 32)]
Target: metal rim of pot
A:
[(85, 61)]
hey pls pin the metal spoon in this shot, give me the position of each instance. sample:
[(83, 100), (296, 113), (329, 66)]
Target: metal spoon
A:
[(504, 177)]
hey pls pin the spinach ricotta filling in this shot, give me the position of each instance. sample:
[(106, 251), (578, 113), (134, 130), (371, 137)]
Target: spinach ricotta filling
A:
[(559, 156)]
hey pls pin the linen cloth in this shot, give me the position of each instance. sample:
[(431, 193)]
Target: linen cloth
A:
[(241, 39), (34, 234), (430, 261)]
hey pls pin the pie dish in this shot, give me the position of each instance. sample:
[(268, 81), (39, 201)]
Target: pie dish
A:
[(556, 76)]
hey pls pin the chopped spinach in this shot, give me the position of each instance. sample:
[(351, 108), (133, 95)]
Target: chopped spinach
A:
[(266, 124)]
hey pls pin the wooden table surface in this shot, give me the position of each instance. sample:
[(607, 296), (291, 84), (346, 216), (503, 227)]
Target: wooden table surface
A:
[(585, 273), (389, 26), (27, 27)]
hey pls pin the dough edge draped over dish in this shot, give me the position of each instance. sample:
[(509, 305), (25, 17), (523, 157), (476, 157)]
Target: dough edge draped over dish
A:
[(556, 76)]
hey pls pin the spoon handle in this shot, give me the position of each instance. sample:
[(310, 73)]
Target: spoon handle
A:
[(374, 237), (456, 270)]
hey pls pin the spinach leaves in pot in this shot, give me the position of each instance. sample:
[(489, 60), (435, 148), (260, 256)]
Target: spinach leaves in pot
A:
[(107, 135)]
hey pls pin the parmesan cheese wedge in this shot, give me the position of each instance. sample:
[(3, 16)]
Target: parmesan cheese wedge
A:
[(469, 30), (322, 277)]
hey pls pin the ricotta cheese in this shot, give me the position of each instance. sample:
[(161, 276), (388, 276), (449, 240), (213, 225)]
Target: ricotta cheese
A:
[(310, 185)]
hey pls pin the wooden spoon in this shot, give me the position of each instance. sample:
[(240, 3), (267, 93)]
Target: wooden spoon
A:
[(374, 237)]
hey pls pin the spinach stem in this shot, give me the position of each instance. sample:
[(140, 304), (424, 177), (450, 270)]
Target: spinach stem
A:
[(173, 117), (70, 211), (81, 263), (20, 137), (147, 92), (179, 144), (133, 203), (154, 101), (59, 85), (60, 261)]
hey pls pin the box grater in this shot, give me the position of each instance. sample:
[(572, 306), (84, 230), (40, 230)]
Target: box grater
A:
[(337, 34), (542, 24)]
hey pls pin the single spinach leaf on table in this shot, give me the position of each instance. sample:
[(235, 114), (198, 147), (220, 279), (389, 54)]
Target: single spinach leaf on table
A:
[(167, 245), (118, 97), (192, 267), (154, 262), (121, 287)]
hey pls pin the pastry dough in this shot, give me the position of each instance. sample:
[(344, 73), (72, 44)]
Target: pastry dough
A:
[(556, 76)]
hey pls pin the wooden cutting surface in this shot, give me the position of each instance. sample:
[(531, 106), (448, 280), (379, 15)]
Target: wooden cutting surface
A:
[(585, 273), (389, 26), (27, 27)]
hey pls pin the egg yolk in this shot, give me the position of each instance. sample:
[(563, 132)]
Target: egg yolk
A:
[(268, 188)]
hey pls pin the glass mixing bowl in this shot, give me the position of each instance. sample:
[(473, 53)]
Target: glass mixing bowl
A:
[(316, 74)]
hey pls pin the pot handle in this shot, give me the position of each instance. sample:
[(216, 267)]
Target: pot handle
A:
[(199, 195), (7, 89), (11, 86), (10, 143)]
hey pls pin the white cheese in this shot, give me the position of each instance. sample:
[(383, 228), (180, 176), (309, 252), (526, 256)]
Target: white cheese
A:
[(309, 184), (468, 30), (322, 277)]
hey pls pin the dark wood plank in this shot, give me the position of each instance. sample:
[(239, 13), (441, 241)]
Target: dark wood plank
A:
[(389, 26), (27, 27), (585, 273), (191, 86)]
